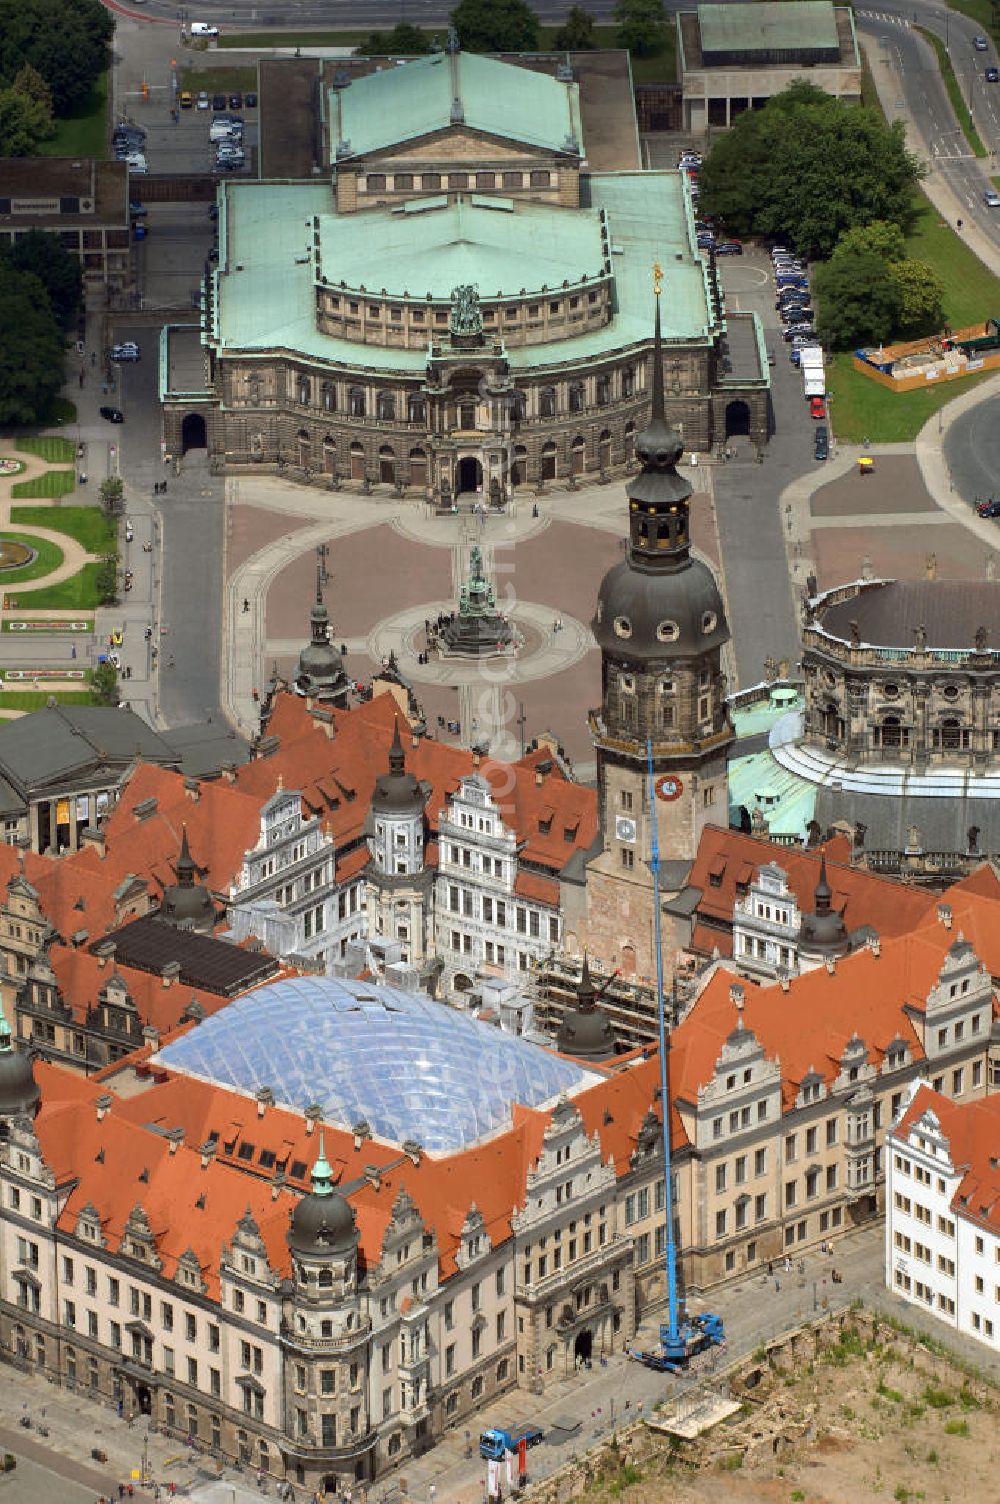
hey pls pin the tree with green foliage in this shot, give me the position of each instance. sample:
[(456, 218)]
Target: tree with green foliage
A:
[(105, 684), (403, 40), (806, 168), (576, 34), (106, 580), (642, 26), (29, 82), (65, 41), (58, 269), (921, 297), (112, 494), (859, 301), (24, 122), (31, 348), (496, 26), (880, 238)]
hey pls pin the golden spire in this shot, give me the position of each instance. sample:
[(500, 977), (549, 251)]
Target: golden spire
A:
[(657, 278)]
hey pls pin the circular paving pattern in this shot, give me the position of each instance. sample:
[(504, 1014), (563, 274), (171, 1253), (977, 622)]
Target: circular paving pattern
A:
[(542, 649)]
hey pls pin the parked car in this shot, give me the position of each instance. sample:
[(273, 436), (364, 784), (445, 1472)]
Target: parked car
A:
[(137, 210), (203, 100), (729, 248), (791, 330), (127, 351), (140, 232), (218, 101), (137, 165), (817, 407), (990, 508), (993, 75), (236, 101), (821, 443), (186, 99), (113, 414), (980, 44), (799, 314), (991, 198), (249, 101)]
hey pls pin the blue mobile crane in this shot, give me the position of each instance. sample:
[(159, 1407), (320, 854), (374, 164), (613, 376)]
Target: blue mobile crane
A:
[(681, 1337)]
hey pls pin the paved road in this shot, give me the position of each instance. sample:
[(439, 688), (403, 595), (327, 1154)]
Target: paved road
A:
[(761, 608)]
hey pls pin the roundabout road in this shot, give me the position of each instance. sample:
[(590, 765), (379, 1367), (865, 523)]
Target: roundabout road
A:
[(972, 451)]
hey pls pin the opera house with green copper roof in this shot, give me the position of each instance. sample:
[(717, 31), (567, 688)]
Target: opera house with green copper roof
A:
[(441, 287)]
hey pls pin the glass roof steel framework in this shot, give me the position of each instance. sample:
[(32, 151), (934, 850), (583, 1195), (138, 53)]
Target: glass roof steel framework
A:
[(408, 1066)]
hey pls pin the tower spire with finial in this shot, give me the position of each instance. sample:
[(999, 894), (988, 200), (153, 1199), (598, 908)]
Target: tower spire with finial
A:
[(823, 893), (322, 1173), (185, 861), (658, 497)]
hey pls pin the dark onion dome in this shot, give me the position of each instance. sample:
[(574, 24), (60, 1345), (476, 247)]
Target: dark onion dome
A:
[(823, 931), (397, 792), (659, 603), (186, 903), (19, 1093), (320, 667), (585, 1031), (323, 1221)]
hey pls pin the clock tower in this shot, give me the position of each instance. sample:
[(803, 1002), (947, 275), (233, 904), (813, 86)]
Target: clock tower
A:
[(661, 626)]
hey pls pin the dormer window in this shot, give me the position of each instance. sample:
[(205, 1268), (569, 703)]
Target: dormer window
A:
[(668, 631), (623, 626)]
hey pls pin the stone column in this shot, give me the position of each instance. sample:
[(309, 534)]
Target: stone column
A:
[(74, 839), (34, 827)]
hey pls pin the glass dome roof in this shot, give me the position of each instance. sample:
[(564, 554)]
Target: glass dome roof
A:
[(411, 1067)]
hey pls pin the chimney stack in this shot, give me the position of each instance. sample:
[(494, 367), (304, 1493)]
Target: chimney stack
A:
[(831, 964), (207, 1152), (170, 972), (103, 1105), (175, 1137), (944, 914)]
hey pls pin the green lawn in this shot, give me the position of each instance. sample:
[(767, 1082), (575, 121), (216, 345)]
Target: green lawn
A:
[(88, 525), (218, 79), (49, 557), (50, 484), (78, 593), (661, 68), (976, 10), (861, 408), (26, 699), (958, 103), (84, 133), (51, 447), (971, 291)]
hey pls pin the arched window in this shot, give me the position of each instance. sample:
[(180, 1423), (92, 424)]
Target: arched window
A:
[(329, 397), (892, 732), (418, 467), (326, 1279), (517, 407), (417, 408), (303, 391), (385, 406), (629, 441), (578, 454), (603, 391), (329, 454), (949, 736), (304, 446), (549, 461), (576, 397), (547, 402), (386, 465), (356, 402), (628, 381)]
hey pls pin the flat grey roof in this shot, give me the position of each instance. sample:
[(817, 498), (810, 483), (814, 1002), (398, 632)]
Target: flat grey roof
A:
[(768, 26), (55, 742)]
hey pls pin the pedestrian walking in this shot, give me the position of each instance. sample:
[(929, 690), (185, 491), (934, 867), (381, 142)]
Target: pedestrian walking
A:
[(121, 1490), (72, 650), (246, 605), (777, 1285)]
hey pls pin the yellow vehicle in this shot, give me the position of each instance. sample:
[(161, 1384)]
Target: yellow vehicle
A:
[(186, 100), (866, 465)]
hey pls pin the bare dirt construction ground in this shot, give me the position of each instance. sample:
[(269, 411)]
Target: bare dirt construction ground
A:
[(858, 1412)]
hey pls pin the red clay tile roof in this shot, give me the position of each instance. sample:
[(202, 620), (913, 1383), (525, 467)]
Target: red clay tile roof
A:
[(890, 907), (81, 977), (809, 1026), (336, 775), (114, 1165)]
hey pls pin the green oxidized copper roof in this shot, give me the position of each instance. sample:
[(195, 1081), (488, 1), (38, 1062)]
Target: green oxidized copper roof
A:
[(449, 245), (399, 104), (269, 302)]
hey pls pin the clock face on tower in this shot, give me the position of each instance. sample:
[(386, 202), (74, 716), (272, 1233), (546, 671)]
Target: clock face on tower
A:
[(624, 828)]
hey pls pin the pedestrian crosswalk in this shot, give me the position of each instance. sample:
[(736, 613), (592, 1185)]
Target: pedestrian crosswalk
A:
[(882, 15)]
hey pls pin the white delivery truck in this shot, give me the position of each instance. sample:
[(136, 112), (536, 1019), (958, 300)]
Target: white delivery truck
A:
[(813, 374)]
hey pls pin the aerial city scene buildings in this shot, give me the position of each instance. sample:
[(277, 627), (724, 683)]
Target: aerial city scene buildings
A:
[(499, 737)]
